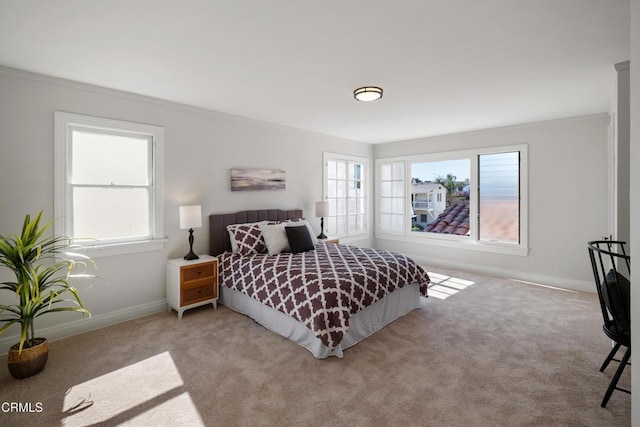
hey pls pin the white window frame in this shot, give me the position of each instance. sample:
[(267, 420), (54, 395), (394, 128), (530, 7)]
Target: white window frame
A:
[(326, 157), (407, 203), (64, 123), (472, 241)]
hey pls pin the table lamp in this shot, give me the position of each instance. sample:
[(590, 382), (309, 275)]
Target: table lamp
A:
[(322, 210), (190, 217)]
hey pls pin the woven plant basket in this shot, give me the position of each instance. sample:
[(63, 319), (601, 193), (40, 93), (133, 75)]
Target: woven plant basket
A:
[(30, 361)]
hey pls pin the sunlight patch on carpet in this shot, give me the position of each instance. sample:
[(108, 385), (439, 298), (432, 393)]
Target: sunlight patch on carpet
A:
[(149, 389), (443, 286)]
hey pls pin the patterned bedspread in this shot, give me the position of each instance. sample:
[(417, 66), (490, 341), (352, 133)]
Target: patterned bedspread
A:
[(324, 287)]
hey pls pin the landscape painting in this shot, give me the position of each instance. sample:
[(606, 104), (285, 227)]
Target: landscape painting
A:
[(252, 179)]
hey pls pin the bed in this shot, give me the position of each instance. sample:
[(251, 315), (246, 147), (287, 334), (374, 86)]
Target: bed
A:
[(326, 299)]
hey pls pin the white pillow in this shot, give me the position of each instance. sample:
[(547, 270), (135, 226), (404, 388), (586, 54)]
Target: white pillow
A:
[(314, 239), (275, 238)]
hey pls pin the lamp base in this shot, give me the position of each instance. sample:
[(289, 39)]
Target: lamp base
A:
[(191, 255), (321, 236)]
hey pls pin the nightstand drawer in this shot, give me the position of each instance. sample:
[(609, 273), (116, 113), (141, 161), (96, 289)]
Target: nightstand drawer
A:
[(198, 272), (201, 293)]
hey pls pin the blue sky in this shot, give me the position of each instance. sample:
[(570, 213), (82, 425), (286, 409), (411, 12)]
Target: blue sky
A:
[(428, 171)]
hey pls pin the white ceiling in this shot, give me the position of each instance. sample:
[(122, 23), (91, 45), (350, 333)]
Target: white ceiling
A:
[(446, 66)]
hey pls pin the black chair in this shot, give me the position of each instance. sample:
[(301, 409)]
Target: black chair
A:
[(611, 267)]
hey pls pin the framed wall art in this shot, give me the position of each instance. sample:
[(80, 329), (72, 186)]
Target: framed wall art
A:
[(252, 179)]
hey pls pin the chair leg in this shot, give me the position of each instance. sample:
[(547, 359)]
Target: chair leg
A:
[(610, 357), (616, 377)]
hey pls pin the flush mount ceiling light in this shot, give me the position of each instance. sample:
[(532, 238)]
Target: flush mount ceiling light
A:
[(367, 93)]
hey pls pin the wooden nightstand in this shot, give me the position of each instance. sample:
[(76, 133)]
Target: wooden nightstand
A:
[(331, 240), (192, 283)]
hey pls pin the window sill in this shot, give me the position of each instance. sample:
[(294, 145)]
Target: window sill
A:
[(503, 249), (97, 251)]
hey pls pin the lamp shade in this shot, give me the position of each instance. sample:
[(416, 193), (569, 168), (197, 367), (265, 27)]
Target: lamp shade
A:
[(322, 209), (191, 216)]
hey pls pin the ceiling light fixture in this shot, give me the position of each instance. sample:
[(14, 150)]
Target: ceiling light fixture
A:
[(367, 93)]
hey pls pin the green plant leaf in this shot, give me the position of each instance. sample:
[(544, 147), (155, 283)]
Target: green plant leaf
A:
[(42, 276)]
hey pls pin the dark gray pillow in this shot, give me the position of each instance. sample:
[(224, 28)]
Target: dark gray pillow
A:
[(299, 239), (616, 292)]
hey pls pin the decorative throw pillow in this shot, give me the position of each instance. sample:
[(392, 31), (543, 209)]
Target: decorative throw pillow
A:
[(275, 238), (299, 238), (247, 237), (616, 293), (301, 221)]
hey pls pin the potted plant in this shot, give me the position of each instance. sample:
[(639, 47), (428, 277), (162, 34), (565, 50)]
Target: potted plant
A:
[(41, 286)]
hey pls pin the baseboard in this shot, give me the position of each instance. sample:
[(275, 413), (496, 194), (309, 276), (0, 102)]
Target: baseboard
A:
[(84, 324), (535, 279)]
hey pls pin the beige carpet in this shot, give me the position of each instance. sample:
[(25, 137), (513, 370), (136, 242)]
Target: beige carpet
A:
[(493, 353)]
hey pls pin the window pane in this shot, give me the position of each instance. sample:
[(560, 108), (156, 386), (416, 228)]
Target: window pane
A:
[(385, 205), (342, 170), (352, 205), (385, 172), (398, 205), (398, 174), (331, 188), (342, 189), (385, 189), (385, 221), (398, 223), (398, 189), (95, 217), (330, 224), (332, 207), (356, 223), (106, 159), (448, 211), (500, 197), (352, 223), (332, 170)]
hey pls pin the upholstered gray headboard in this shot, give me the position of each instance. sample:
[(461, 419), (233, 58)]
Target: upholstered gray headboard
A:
[(218, 236)]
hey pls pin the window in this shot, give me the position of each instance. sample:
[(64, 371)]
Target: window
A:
[(499, 194), (391, 196), (449, 214), (345, 190), (474, 196), (108, 192)]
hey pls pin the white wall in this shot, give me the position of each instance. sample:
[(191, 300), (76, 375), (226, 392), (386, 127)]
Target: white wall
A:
[(200, 148), (567, 199), (635, 207)]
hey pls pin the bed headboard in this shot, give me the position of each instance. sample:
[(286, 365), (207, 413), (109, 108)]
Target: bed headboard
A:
[(218, 236)]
